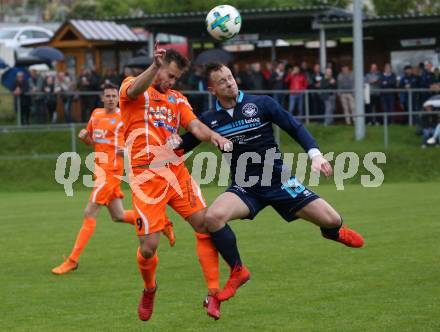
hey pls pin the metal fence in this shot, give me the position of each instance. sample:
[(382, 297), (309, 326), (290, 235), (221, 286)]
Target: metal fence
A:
[(412, 113), (201, 100)]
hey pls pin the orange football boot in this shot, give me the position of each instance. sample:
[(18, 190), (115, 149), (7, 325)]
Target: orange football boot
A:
[(67, 266)]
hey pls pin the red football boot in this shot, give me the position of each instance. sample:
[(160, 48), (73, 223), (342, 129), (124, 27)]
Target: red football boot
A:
[(146, 304), (239, 276), (348, 237), (212, 306)]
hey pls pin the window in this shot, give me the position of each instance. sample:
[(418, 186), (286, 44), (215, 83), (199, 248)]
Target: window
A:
[(8, 34), (40, 34), (25, 35)]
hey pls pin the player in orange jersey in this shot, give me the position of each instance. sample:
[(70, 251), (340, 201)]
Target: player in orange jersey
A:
[(104, 132), (152, 112)]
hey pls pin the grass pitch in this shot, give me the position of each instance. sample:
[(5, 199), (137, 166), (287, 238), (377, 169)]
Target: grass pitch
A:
[(300, 282)]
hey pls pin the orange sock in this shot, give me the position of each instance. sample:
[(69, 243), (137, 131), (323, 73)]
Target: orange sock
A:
[(147, 268), (129, 217), (84, 235), (208, 259)]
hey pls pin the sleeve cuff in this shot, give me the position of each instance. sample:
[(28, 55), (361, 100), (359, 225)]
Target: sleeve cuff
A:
[(314, 152)]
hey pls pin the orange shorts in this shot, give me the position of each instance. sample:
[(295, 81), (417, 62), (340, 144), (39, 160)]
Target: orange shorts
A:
[(106, 190), (152, 192)]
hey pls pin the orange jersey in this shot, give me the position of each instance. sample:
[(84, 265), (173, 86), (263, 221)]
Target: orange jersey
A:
[(107, 135), (150, 119)]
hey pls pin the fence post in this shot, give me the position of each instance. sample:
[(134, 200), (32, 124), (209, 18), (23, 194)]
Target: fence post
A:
[(385, 130), (73, 136), (307, 106), (18, 110), (410, 105)]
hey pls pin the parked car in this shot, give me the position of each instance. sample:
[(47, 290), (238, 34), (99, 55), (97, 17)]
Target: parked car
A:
[(18, 37)]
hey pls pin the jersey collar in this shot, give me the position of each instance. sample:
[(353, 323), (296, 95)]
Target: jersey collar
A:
[(239, 99)]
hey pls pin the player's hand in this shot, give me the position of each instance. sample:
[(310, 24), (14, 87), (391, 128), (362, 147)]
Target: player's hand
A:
[(159, 55), (84, 136), (320, 164), (222, 143), (174, 141)]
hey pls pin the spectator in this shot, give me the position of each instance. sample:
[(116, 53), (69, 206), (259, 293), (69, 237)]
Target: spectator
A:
[(277, 81), (197, 82), (345, 81), (427, 80), (85, 86), (267, 71), (388, 81), (329, 83), (429, 122), (257, 77), (373, 79), (37, 99), (408, 81), (435, 139), (110, 77), (246, 78), (437, 75), (316, 103), (22, 101), (307, 71), (297, 83), (50, 98), (63, 86)]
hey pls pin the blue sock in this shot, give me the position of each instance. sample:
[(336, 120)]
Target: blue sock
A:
[(226, 244)]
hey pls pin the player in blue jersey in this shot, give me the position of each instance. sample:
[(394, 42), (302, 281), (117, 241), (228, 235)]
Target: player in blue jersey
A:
[(247, 121)]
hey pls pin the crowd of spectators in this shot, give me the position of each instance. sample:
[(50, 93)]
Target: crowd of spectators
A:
[(40, 95), (329, 90)]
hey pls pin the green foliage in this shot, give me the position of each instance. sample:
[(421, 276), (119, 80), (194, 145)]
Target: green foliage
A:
[(392, 7), (85, 9)]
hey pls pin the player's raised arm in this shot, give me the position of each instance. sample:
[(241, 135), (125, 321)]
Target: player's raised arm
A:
[(144, 80)]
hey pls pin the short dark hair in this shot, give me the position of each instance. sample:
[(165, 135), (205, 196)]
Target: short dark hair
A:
[(109, 86), (173, 55), (211, 67)]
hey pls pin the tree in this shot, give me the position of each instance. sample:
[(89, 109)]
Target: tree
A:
[(392, 7), (157, 6), (85, 9)]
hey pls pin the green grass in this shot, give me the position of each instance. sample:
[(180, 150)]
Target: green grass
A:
[(300, 282), (7, 114)]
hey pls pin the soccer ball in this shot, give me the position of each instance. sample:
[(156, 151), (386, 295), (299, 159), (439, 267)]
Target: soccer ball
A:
[(223, 22)]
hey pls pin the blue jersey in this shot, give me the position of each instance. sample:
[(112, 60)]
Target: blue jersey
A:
[(250, 129)]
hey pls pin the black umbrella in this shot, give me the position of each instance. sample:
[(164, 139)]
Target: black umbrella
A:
[(214, 55), (141, 61), (48, 53), (29, 60)]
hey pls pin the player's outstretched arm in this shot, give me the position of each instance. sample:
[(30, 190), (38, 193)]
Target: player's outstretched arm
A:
[(84, 136), (203, 133), (144, 80)]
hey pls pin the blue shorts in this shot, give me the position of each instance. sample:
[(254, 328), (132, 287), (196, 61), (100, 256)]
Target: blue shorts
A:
[(287, 199)]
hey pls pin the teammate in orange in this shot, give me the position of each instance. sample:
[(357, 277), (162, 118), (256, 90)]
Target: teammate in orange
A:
[(152, 112), (104, 132)]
